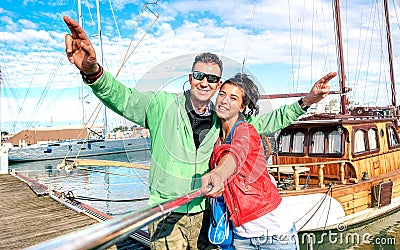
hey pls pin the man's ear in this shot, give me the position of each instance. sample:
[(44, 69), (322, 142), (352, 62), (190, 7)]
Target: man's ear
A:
[(219, 84)]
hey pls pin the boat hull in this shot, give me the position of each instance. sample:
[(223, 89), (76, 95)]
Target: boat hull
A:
[(78, 149), (318, 212)]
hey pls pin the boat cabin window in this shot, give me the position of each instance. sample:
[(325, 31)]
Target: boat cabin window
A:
[(360, 141), (372, 139), (284, 143), (365, 140), (326, 141), (291, 142), (334, 142), (298, 143), (393, 137), (318, 143)]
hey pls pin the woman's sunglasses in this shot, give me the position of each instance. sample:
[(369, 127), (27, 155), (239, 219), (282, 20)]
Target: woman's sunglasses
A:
[(210, 78)]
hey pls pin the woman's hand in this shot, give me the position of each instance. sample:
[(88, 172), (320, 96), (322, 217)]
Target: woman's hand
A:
[(213, 180)]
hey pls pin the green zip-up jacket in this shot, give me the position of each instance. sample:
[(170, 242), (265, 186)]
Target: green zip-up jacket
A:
[(176, 165)]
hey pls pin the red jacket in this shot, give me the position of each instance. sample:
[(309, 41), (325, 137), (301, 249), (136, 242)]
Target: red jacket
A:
[(249, 192)]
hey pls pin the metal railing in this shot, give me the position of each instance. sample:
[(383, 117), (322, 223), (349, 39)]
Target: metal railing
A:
[(108, 233)]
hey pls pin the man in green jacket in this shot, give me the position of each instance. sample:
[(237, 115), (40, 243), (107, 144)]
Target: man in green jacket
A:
[(183, 130)]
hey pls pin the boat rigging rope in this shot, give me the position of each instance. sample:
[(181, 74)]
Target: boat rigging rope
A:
[(100, 105), (90, 14), (320, 202), (70, 196), (249, 37), (329, 209), (128, 53), (330, 204), (127, 56), (44, 45), (227, 32), (97, 112)]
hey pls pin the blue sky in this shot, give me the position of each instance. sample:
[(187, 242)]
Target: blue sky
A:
[(287, 45)]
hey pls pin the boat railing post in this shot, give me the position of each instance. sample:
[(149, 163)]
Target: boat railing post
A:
[(3, 160), (321, 175), (279, 174), (296, 177), (341, 171)]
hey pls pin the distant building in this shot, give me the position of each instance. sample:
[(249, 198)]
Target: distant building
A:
[(46, 134), (52, 134), (141, 132)]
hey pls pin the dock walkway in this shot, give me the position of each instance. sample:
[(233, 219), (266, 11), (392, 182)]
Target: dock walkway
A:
[(27, 219)]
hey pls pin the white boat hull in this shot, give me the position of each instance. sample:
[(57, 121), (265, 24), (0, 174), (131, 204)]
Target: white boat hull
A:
[(81, 149), (318, 212)]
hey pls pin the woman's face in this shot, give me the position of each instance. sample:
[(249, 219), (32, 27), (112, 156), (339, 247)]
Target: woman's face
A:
[(229, 102)]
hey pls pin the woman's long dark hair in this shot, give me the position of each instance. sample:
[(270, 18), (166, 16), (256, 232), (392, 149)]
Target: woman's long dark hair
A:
[(251, 94)]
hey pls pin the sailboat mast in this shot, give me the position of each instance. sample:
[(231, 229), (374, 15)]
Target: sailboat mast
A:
[(342, 74), (82, 84), (79, 13), (390, 52), (102, 61)]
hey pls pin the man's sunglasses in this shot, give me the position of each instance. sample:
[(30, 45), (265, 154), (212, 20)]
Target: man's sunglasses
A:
[(210, 78)]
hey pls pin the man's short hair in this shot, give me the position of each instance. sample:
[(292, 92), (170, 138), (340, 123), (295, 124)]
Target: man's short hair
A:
[(208, 57)]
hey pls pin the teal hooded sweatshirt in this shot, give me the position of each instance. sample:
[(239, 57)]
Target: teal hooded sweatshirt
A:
[(176, 165)]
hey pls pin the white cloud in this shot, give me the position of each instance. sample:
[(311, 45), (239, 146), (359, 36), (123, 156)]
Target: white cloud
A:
[(27, 24)]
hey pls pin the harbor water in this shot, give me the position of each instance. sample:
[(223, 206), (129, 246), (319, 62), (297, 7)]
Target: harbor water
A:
[(119, 190), (113, 190)]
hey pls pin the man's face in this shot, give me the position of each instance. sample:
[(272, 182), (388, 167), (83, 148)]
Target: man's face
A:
[(202, 90)]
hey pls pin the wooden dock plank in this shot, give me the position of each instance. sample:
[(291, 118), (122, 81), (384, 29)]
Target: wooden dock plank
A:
[(27, 219)]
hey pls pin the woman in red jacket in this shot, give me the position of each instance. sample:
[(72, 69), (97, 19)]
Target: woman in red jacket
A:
[(239, 172)]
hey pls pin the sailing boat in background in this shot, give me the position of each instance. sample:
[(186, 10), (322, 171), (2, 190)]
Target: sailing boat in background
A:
[(339, 170), (77, 141), (74, 148)]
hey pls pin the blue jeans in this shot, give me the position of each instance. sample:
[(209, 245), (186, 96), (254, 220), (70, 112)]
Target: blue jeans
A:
[(289, 241)]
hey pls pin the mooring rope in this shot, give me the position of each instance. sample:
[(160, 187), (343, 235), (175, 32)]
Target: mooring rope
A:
[(320, 202), (70, 196)]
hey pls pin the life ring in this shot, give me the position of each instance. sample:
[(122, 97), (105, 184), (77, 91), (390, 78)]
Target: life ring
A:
[(267, 146)]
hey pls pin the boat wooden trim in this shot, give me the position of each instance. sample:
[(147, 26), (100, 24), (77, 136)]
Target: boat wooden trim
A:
[(94, 162)]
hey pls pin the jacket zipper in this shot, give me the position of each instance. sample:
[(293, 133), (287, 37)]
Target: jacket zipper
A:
[(194, 182), (235, 207)]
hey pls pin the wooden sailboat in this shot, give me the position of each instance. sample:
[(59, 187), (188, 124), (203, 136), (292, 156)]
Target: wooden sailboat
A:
[(339, 170)]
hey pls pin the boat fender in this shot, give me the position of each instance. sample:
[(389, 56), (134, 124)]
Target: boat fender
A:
[(48, 150), (60, 166), (69, 167)]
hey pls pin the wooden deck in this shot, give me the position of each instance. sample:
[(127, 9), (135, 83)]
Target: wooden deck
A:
[(27, 219)]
